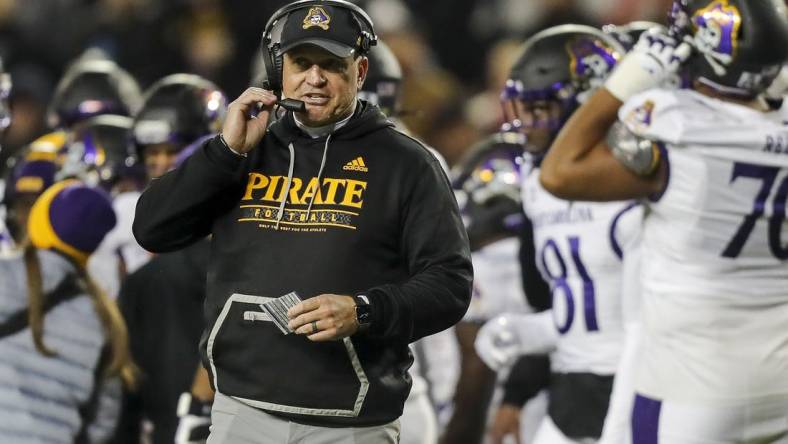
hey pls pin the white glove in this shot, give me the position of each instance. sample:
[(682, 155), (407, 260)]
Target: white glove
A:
[(654, 60), (506, 337), (194, 420)]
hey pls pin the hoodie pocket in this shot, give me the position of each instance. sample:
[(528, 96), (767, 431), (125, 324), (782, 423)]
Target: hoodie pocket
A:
[(252, 361)]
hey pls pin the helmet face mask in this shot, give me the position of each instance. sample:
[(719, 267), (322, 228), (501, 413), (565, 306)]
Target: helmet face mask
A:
[(98, 152), (557, 69), (538, 119)]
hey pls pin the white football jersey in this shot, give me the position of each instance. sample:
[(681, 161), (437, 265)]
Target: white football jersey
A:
[(579, 251), (715, 243), (104, 263), (7, 244), (497, 282), (8, 247)]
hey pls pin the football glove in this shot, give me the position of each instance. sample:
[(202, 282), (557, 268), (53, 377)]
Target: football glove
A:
[(653, 62), (505, 337)]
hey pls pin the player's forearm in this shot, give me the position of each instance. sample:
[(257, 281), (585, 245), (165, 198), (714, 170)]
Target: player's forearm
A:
[(568, 157), (201, 386), (474, 391)]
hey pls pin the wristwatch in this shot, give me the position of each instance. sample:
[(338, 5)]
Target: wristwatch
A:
[(363, 312)]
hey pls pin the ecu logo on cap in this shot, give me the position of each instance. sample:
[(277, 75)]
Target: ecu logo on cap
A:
[(317, 16)]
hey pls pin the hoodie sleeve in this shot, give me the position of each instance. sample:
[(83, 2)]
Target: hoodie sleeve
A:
[(179, 208), (435, 247)]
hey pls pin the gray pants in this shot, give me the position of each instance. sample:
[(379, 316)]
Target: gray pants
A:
[(419, 423), (233, 422)]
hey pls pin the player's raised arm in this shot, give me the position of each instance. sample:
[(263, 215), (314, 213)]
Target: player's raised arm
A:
[(583, 163)]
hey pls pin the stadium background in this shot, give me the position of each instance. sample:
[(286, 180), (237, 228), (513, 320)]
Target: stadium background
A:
[(455, 53)]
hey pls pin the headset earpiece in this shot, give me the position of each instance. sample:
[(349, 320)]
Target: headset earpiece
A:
[(271, 59), (278, 65)]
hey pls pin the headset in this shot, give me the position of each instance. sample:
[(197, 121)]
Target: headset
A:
[(273, 59)]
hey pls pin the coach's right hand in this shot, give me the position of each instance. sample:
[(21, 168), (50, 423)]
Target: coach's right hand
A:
[(240, 132)]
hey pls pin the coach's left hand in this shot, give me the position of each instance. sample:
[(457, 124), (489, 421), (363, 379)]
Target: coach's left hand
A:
[(326, 317)]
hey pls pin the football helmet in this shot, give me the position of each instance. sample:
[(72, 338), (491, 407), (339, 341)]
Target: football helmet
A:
[(98, 153), (91, 87), (487, 186), (178, 109), (384, 78), (739, 44), (559, 65)]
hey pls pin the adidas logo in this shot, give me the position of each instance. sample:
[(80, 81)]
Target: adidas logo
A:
[(356, 164)]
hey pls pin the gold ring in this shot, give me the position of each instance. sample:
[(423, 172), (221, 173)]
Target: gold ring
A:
[(314, 327)]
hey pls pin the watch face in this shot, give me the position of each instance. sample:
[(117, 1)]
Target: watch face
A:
[(363, 316), (363, 313)]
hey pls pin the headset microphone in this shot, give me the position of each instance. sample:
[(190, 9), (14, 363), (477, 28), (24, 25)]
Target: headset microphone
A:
[(296, 106)]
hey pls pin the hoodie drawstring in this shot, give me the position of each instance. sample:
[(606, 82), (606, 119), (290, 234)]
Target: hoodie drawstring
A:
[(290, 181), (287, 186), (319, 176)]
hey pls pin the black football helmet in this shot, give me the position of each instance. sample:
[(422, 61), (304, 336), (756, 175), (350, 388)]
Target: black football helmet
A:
[(487, 186), (382, 86), (178, 109), (740, 45), (99, 153), (562, 64), (91, 87)]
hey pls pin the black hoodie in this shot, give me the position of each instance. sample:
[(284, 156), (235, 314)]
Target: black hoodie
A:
[(383, 222)]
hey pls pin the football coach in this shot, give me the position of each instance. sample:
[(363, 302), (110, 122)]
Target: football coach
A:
[(336, 241)]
